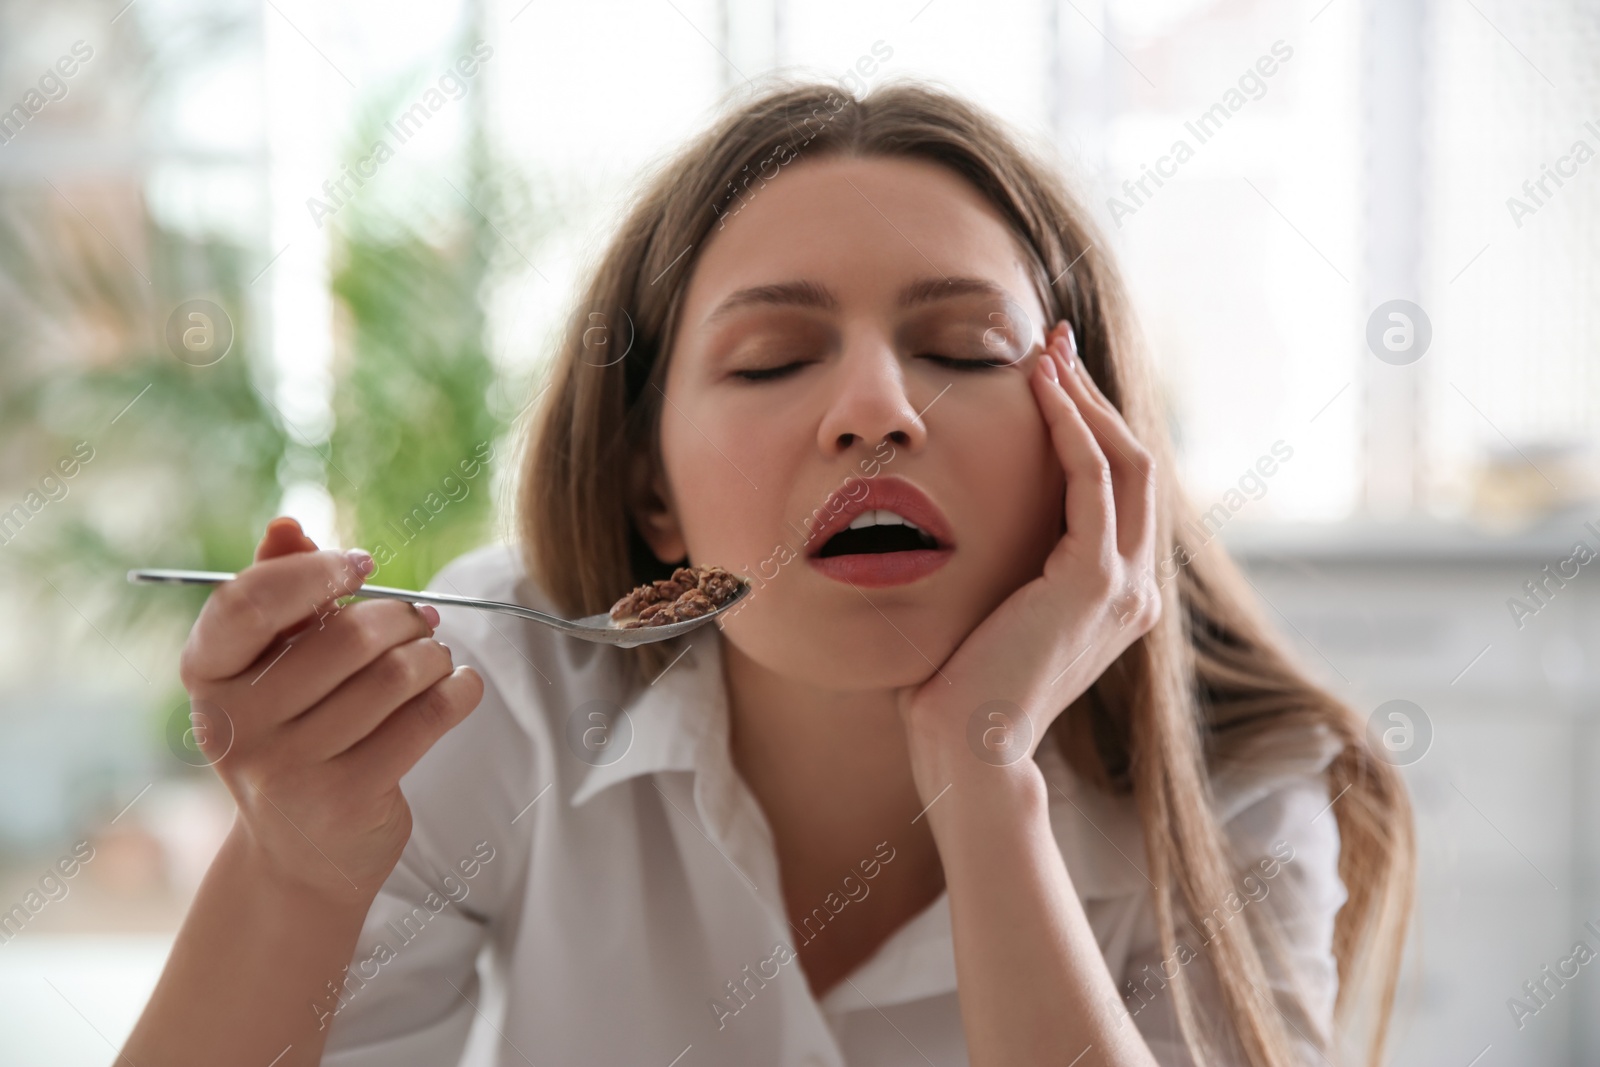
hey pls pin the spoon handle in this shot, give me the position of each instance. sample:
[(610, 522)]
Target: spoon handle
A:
[(168, 576)]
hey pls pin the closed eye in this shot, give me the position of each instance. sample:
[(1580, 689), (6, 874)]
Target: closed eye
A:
[(767, 374), (966, 364)]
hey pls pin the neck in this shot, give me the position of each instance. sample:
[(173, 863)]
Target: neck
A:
[(831, 749), (830, 769)]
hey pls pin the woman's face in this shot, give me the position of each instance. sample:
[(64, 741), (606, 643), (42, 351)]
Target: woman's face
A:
[(884, 350)]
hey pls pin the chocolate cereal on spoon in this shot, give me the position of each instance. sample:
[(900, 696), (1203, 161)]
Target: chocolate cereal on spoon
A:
[(690, 593)]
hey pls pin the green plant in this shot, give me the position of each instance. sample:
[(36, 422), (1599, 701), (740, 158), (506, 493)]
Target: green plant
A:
[(413, 371)]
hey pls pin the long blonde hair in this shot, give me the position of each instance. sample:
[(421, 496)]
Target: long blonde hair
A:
[(1209, 685)]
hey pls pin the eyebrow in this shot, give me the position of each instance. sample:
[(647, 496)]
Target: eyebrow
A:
[(808, 294)]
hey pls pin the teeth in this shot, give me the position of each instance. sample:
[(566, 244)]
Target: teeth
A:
[(881, 518)]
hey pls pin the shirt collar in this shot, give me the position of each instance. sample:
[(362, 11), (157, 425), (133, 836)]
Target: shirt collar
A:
[(674, 719), (669, 720), (684, 710)]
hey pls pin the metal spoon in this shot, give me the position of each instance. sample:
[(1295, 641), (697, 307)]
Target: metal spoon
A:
[(596, 628)]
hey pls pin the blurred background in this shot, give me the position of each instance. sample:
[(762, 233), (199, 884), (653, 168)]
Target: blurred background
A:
[(296, 257)]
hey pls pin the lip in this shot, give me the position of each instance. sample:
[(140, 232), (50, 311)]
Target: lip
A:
[(877, 570), (881, 569), (886, 493)]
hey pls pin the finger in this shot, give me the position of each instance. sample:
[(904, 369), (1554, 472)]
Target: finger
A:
[(1132, 467), (1102, 415), (391, 750), (364, 700), (244, 615), (1090, 508), (333, 648), (283, 536)]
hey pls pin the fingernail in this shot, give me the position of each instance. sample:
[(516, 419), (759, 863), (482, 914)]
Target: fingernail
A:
[(447, 651), (361, 560), (1049, 363), (1072, 348), (430, 615)]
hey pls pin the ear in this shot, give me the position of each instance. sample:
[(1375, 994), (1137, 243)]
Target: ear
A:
[(650, 502)]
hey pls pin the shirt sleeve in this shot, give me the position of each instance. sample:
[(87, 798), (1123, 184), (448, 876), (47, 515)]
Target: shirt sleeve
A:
[(409, 995), (1286, 851)]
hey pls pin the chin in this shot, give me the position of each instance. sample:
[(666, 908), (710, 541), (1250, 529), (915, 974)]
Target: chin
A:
[(847, 652)]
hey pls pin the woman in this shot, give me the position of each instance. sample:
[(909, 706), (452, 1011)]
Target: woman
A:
[(1003, 764)]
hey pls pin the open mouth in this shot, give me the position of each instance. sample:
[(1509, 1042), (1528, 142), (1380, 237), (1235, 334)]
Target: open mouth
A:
[(884, 532), (877, 533)]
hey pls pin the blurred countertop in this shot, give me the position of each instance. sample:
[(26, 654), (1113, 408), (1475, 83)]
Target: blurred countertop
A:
[(1550, 538)]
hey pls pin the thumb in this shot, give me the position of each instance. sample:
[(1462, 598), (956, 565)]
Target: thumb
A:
[(283, 537)]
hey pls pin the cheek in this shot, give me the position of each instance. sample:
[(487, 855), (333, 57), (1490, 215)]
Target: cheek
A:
[(728, 482), (1010, 474)]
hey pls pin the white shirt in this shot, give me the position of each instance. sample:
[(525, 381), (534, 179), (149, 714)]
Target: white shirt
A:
[(620, 901)]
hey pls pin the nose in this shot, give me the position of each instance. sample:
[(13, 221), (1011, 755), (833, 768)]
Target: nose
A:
[(868, 402)]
